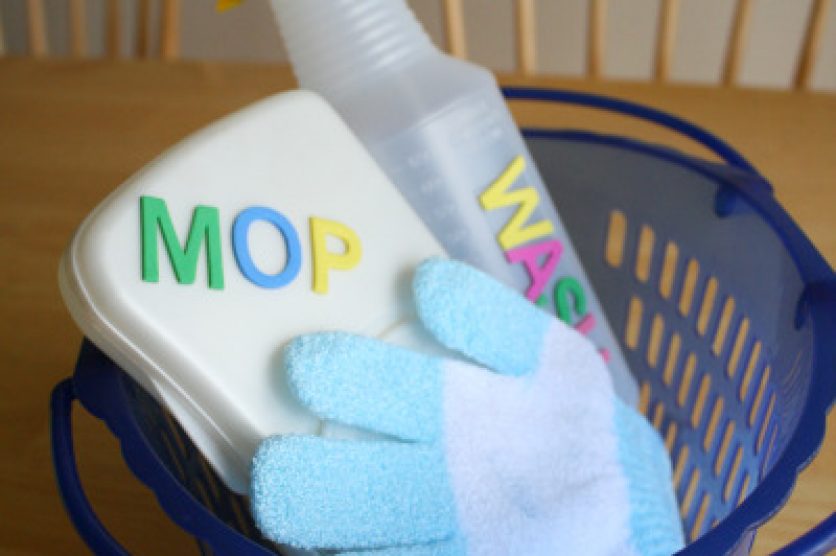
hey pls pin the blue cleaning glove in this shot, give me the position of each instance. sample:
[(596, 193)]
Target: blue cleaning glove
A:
[(529, 454)]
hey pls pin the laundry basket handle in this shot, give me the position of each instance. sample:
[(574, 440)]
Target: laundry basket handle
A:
[(627, 108), (63, 457), (818, 541)]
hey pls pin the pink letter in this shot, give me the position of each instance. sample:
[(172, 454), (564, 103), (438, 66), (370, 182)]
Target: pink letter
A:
[(605, 353), (530, 255), (586, 324)]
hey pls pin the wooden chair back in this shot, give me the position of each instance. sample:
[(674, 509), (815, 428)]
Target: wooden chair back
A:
[(526, 37), (168, 24), (454, 31)]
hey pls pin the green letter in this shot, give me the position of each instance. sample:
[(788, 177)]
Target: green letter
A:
[(153, 213), (567, 290)]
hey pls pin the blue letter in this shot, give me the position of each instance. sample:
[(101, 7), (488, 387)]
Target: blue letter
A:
[(241, 247)]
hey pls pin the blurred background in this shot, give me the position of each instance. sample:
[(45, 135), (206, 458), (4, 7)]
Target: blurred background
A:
[(774, 35)]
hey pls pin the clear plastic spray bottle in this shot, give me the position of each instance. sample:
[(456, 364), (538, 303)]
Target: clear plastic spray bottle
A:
[(440, 129)]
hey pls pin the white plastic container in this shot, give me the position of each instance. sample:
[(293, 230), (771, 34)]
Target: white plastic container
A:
[(283, 188), (440, 129)]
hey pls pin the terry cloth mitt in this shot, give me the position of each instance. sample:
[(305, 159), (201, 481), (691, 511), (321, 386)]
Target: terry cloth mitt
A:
[(529, 454)]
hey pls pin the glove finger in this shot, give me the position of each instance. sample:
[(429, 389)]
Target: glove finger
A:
[(367, 383), (311, 492), (470, 312), (655, 525), (453, 547)]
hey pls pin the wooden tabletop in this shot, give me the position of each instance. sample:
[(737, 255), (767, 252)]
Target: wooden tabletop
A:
[(71, 131)]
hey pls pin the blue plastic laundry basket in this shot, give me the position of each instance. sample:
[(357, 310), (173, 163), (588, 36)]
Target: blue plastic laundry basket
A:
[(727, 315)]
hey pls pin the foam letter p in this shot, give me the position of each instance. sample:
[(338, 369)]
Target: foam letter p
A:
[(325, 260)]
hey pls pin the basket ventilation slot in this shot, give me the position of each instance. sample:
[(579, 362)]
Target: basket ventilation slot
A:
[(703, 374)]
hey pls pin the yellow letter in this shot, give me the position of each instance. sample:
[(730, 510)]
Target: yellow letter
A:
[(497, 195), (324, 260), (223, 5)]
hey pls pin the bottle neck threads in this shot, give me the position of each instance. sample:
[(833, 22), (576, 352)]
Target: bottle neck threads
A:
[(336, 45)]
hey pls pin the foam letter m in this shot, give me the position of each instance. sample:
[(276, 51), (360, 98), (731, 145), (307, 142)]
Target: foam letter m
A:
[(205, 225)]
